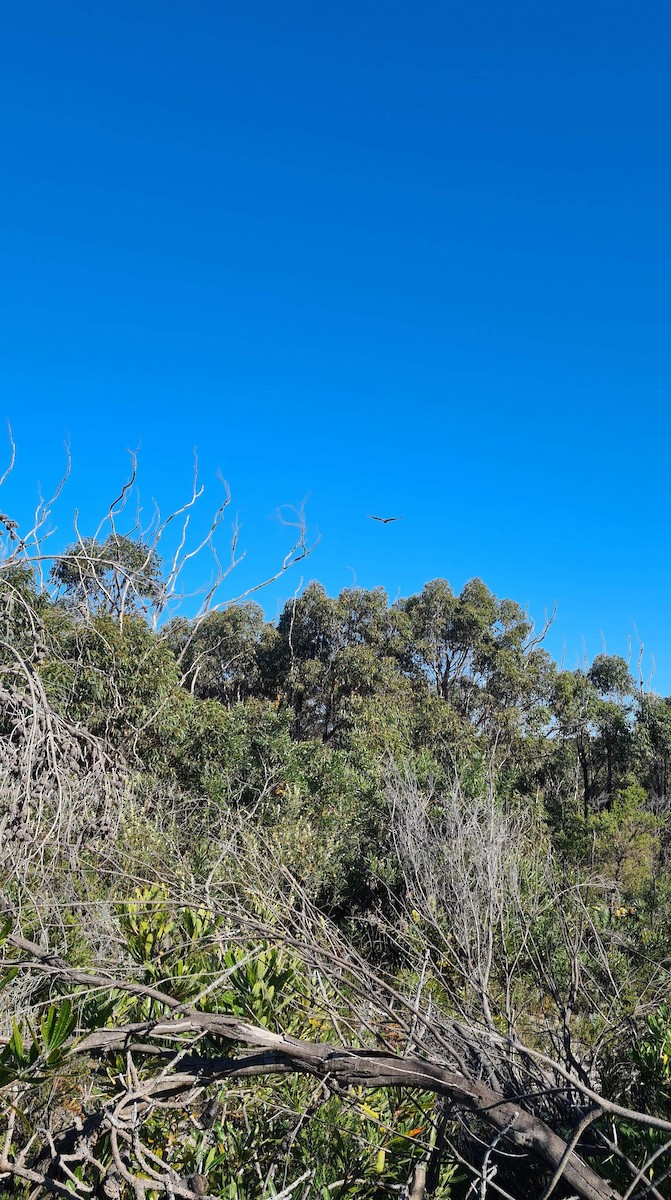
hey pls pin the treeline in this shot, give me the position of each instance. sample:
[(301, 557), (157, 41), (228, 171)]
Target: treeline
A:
[(459, 674), (437, 681)]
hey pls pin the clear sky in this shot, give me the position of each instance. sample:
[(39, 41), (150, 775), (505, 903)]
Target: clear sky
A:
[(401, 258)]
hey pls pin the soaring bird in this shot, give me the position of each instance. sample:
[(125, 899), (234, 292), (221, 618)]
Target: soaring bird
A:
[(385, 520)]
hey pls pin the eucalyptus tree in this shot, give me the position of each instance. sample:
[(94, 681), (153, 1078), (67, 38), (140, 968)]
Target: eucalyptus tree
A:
[(481, 657), (593, 712), (218, 655), (331, 650), (653, 733), (116, 576)]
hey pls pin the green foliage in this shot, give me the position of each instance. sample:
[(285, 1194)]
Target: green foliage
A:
[(326, 823), (219, 657), (625, 840), (650, 1091), (368, 1143), (653, 1057), (231, 753), (364, 1147), (186, 951), (653, 743), (22, 613), (33, 1055), (363, 1144), (118, 576), (593, 715), (121, 682), (331, 651), (290, 734)]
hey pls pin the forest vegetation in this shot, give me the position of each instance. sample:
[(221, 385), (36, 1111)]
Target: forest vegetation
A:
[(370, 901)]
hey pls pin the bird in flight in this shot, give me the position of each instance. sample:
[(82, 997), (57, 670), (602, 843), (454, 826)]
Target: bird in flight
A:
[(385, 520)]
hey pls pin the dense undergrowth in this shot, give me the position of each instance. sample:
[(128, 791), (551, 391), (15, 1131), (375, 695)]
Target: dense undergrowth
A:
[(396, 832)]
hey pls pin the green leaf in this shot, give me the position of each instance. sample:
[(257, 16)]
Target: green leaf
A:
[(56, 1026), (9, 976), (16, 1042)]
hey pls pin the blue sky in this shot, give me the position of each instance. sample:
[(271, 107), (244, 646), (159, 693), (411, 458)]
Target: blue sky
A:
[(396, 258)]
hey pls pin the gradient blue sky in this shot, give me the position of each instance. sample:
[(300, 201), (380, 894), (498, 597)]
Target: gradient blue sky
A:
[(402, 258)]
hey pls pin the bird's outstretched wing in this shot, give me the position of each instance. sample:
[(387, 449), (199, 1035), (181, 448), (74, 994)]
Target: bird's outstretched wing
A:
[(384, 520)]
